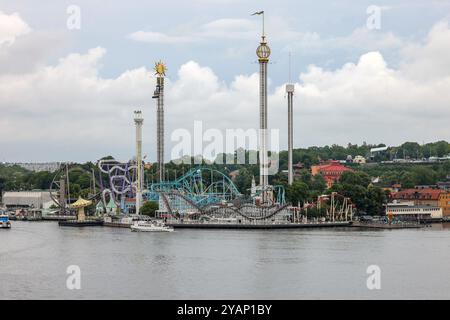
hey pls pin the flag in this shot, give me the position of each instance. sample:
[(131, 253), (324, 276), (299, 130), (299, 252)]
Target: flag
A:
[(258, 13)]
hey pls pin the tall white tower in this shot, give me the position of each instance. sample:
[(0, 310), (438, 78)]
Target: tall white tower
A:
[(290, 98), (263, 53), (138, 121)]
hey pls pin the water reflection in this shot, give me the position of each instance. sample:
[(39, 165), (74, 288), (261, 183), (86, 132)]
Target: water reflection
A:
[(214, 264)]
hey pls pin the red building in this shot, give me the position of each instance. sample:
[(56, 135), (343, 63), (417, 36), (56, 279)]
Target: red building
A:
[(331, 171), (422, 196)]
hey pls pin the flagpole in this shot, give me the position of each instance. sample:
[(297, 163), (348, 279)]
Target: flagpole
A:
[(263, 24), (261, 13)]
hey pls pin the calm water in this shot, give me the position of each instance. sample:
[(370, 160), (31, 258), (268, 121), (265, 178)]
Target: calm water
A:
[(210, 264)]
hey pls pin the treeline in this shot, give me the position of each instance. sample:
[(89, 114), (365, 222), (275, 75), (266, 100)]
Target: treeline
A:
[(367, 194), (16, 178), (408, 150), (408, 175)]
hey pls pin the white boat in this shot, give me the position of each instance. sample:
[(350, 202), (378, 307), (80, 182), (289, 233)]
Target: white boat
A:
[(150, 226), (4, 221)]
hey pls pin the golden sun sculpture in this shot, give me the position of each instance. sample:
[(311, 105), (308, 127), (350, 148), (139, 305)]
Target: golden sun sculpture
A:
[(160, 68)]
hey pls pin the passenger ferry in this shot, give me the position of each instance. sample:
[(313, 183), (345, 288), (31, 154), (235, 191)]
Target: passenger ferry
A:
[(150, 226), (4, 221)]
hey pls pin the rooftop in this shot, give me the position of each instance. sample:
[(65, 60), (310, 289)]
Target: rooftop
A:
[(419, 194), (409, 206)]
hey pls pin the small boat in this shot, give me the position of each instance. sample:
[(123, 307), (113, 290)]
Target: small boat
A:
[(4, 221), (150, 226)]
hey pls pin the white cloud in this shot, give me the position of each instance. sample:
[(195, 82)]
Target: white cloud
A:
[(430, 60), (369, 39), (21, 48), (217, 29), (159, 37), (11, 27), (360, 39), (229, 29), (68, 111), (279, 30)]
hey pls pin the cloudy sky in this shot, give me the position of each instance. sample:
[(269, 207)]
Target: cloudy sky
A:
[(69, 94)]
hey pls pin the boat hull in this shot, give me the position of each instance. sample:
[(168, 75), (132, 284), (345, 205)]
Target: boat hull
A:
[(149, 229), (5, 225)]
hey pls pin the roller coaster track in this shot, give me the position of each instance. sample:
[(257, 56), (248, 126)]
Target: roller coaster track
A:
[(178, 194), (201, 183), (264, 215), (259, 212), (166, 202)]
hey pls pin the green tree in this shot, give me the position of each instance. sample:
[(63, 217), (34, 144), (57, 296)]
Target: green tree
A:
[(84, 180), (423, 175), (407, 180), (305, 176), (318, 183), (75, 190), (442, 148), (149, 208), (244, 181), (355, 192), (376, 197), (355, 178), (297, 192), (409, 150)]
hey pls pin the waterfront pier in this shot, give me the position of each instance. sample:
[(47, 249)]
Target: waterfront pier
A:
[(212, 225)]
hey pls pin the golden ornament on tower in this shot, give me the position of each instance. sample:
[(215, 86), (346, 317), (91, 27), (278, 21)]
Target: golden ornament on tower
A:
[(160, 68)]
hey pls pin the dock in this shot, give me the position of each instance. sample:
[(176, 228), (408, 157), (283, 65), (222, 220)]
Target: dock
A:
[(57, 218), (117, 224), (43, 218), (379, 225), (76, 223), (197, 225)]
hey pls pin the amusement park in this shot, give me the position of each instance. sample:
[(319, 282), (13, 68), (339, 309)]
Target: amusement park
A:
[(203, 195), (190, 153)]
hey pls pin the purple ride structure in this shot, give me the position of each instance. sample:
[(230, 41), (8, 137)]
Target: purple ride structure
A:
[(119, 183)]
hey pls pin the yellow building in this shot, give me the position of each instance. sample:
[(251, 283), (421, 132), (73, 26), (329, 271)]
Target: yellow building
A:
[(444, 203)]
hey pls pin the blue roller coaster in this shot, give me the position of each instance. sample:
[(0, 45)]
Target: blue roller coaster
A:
[(199, 188), (202, 185)]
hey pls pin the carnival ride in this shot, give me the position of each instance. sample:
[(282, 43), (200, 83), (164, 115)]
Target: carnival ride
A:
[(201, 185), (334, 206), (177, 205), (116, 181), (203, 193), (60, 191), (275, 194), (206, 193), (119, 181)]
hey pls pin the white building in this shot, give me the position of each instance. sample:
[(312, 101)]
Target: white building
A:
[(26, 199), (359, 159), (378, 149), (409, 211), (38, 166)]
